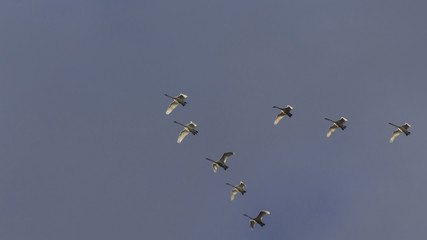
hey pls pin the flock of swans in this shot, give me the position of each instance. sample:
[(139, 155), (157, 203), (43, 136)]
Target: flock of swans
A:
[(190, 128)]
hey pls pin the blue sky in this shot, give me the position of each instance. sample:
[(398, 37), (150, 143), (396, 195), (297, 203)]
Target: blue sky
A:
[(87, 151)]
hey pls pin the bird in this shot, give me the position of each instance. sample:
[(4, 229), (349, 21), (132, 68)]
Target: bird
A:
[(187, 129), (284, 111), (337, 124), (176, 101), (238, 188), (221, 161), (257, 219), (400, 129)]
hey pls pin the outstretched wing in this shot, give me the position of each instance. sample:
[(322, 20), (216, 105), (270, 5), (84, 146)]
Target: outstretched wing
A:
[(241, 185), (172, 106), (394, 135), (192, 125), (279, 117), (331, 130), (342, 120), (406, 126), (214, 167), (233, 193), (182, 96), (252, 223), (182, 135), (225, 156), (261, 214)]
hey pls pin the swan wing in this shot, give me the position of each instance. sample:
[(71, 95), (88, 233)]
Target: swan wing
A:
[(233, 193), (261, 214), (182, 135), (214, 167), (394, 135), (241, 185), (182, 96), (225, 156), (171, 107), (252, 223), (279, 117), (331, 130), (342, 120), (192, 125)]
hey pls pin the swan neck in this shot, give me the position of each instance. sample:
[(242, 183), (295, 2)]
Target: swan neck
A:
[(179, 123)]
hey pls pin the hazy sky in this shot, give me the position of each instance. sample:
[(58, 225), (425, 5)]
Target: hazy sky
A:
[(87, 152)]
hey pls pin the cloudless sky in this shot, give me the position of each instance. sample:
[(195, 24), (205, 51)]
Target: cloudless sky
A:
[(87, 152)]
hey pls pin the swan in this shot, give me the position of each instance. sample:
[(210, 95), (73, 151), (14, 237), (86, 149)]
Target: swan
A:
[(238, 188), (221, 161), (400, 129), (176, 100), (257, 219), (187, 129), (283, 112), (337, 124)]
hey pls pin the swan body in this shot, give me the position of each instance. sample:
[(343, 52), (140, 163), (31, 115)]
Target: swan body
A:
[(337, 124), (176, 101), (221, 161), (236, 189), (187, 129), (283, 112), (257, 219), (400, 129)]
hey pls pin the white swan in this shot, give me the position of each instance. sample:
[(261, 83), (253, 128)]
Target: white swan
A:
[(283, 112), (257, 219), (236, 189), (337, 124), (221, 161), (400, 129), (187, 129), (176, 101)]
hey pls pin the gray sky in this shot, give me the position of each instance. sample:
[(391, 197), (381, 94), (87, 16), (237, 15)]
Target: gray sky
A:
[(87, 151)]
